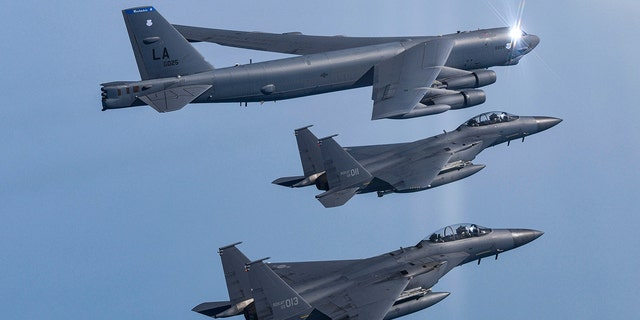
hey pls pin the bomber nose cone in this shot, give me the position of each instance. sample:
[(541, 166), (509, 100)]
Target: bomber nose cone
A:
[(545, 123), (532, 41), (524, 236)]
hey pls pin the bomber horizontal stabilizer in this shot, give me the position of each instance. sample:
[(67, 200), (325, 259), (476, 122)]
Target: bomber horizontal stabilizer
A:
[(174, 98)]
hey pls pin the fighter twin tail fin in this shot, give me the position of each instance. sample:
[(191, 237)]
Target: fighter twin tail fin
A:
[(257, 291), (345, 176)]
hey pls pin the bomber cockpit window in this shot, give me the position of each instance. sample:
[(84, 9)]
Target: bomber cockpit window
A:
[(458, 232), (490, 118)]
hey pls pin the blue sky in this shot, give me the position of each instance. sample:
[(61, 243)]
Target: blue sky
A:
[(120, 213)]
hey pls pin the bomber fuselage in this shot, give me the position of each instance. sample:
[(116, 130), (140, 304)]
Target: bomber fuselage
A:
[(320, 72)]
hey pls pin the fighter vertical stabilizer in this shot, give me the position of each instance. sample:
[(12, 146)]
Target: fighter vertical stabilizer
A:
[(238, 286), (345, 176), (274, 298)]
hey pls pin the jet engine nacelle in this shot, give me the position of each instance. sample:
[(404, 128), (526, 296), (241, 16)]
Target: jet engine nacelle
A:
[(412, 305), (322, 183), (460, 100), (477, 79)]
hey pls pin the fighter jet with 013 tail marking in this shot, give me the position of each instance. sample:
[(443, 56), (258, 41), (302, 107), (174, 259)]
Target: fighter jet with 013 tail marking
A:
[(386, 287), (404, 167), (411, 76)]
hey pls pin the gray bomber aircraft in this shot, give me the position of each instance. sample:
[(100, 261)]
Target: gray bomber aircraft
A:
[(385, 287), (404, 167), (411, 76)]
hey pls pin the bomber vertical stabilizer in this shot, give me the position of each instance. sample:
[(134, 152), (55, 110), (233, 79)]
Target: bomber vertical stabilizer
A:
[(160, 50)]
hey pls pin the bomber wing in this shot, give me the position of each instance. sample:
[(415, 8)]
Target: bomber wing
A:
[(291, 42), (399, 83)]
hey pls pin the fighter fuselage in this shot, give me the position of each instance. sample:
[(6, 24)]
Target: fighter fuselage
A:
[(465, 143), (424, 263)]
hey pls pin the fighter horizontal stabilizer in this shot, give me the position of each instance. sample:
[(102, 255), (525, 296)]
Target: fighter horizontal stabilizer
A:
[(175, 98), (336, 198), (399, 83), (288, 181), (274, 299), (212, 309)]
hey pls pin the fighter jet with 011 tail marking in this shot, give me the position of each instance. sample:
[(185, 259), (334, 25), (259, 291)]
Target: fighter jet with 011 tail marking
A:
[(411, 76), (404, 167), (386, 287)]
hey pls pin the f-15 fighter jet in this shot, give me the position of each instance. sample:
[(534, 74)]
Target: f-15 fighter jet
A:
[(411, 76), (404, 167), (386, 287)]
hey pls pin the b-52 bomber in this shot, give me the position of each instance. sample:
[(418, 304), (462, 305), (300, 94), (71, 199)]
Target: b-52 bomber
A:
[(386, 287), (404, 167), (411, 76)]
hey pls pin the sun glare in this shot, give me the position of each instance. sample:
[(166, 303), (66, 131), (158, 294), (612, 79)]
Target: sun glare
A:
[(515, 33)]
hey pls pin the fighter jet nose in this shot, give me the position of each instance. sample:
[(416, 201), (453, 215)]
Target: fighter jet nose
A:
[(524, 236), (545, 123)]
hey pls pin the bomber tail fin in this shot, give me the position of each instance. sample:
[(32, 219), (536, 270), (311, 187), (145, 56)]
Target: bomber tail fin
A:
[(160, 50), (275, 299), (345, 176)]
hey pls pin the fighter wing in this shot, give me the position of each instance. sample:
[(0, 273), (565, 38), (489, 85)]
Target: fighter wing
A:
[(399, 83), (364, 301), (297, 274), (366, 154), (291, 42), (415, 174)]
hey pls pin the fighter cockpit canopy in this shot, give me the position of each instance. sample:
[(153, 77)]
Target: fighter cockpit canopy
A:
[(489, 118), (458, 232)]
